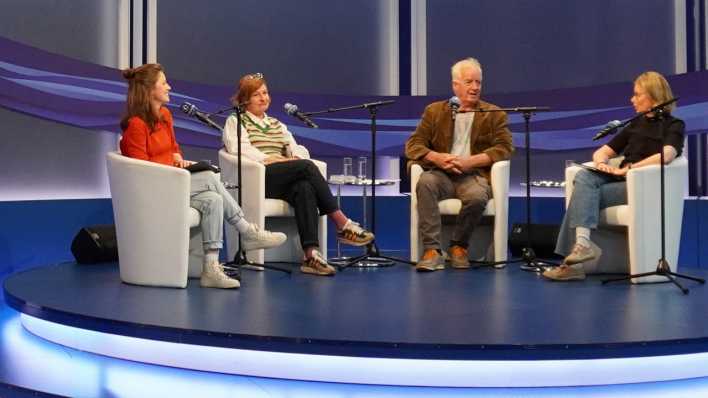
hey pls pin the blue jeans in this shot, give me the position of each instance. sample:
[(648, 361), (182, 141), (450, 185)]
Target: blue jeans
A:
[(215, 204), (592, 192)]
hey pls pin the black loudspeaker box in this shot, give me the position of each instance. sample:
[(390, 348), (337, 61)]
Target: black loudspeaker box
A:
[(95, 244), (543, 239)]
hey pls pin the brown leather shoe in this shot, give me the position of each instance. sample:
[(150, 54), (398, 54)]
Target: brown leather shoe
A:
[(459, 257)]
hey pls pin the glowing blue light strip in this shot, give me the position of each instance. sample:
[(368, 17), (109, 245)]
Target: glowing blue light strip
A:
[(381, 371)]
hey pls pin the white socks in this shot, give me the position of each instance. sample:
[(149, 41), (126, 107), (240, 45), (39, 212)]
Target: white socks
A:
[(582, 236), (242, 225), (211, 257)]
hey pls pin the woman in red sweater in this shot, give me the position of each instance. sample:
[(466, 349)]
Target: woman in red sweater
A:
[(148, 134)]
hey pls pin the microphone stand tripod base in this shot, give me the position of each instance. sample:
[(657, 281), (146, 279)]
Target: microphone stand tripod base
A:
[(373, 261), (662, 269), (339, 261), (530, 262), (240, 262), (535, 266), (370, 259), (253, 267)]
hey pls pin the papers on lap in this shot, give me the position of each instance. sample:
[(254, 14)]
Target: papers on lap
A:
[(202, 166), (596, 170)]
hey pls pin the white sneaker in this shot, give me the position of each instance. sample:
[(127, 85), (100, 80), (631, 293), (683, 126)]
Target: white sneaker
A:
[(213, 276), (256, 238)]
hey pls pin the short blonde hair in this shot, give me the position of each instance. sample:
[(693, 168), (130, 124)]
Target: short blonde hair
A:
[(470, 62), (656, 87)]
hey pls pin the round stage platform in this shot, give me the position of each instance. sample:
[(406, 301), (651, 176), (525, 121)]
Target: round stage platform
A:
[(393, 326)]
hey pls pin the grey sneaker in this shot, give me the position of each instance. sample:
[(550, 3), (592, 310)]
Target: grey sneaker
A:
[(256, 238), (213, 276), (458, 257), (565, 273), (353, 234), (317, 265), (580, 254), (431, 261)]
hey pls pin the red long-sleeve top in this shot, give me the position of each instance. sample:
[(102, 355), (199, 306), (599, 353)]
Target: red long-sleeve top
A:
[(159, 146)]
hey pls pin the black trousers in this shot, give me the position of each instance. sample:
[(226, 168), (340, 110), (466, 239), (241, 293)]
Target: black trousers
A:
[(300, 183)]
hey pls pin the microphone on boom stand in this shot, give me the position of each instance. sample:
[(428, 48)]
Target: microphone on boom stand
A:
[(203, 117), (610, 128), (293, 111)]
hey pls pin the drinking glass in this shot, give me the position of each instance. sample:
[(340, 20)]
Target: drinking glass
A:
[(362, 168), (347, 166)]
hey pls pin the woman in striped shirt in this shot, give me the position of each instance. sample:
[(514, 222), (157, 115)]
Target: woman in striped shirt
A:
[(290, 175)]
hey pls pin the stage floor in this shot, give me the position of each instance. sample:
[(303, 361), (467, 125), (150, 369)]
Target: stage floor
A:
[(389, 313)]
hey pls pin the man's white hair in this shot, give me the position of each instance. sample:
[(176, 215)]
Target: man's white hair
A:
[(465, 63)]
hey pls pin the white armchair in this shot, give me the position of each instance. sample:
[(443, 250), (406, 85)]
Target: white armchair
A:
[(271, 214), (632, 232), (498, 207), (158, 234)]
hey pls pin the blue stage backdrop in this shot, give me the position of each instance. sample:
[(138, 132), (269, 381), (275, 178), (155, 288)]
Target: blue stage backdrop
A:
[(76, 93), (65, 90)]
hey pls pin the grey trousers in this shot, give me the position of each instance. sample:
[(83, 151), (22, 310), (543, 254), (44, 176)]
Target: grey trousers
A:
[(435, 185), (214, 203)]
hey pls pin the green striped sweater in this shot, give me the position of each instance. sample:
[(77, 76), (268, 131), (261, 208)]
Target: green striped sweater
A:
[(269, 139)]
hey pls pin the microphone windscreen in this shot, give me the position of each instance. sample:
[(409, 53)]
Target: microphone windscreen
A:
[(188, 108), (614, 123), (454, 101), (290, 109)]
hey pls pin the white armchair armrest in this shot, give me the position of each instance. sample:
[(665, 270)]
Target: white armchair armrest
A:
[(500, 191)]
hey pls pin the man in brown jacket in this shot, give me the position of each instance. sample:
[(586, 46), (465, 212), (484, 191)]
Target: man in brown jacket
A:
[(457, 149)]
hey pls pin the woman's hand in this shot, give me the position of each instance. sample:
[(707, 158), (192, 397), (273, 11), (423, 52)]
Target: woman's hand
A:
[(179, 161), (601, 156), (615, 170), (622, 172), (602, 166)]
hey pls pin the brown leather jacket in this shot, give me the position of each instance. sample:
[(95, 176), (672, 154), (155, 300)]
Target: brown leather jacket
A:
[(489, 134)]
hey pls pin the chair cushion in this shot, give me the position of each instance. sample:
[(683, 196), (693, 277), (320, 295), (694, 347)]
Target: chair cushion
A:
[(615, 215), (277, 208), (193, 217), (453, 206)]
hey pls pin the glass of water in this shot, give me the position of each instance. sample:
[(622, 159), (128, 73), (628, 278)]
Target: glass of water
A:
[(347, 166), (362, 168)]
